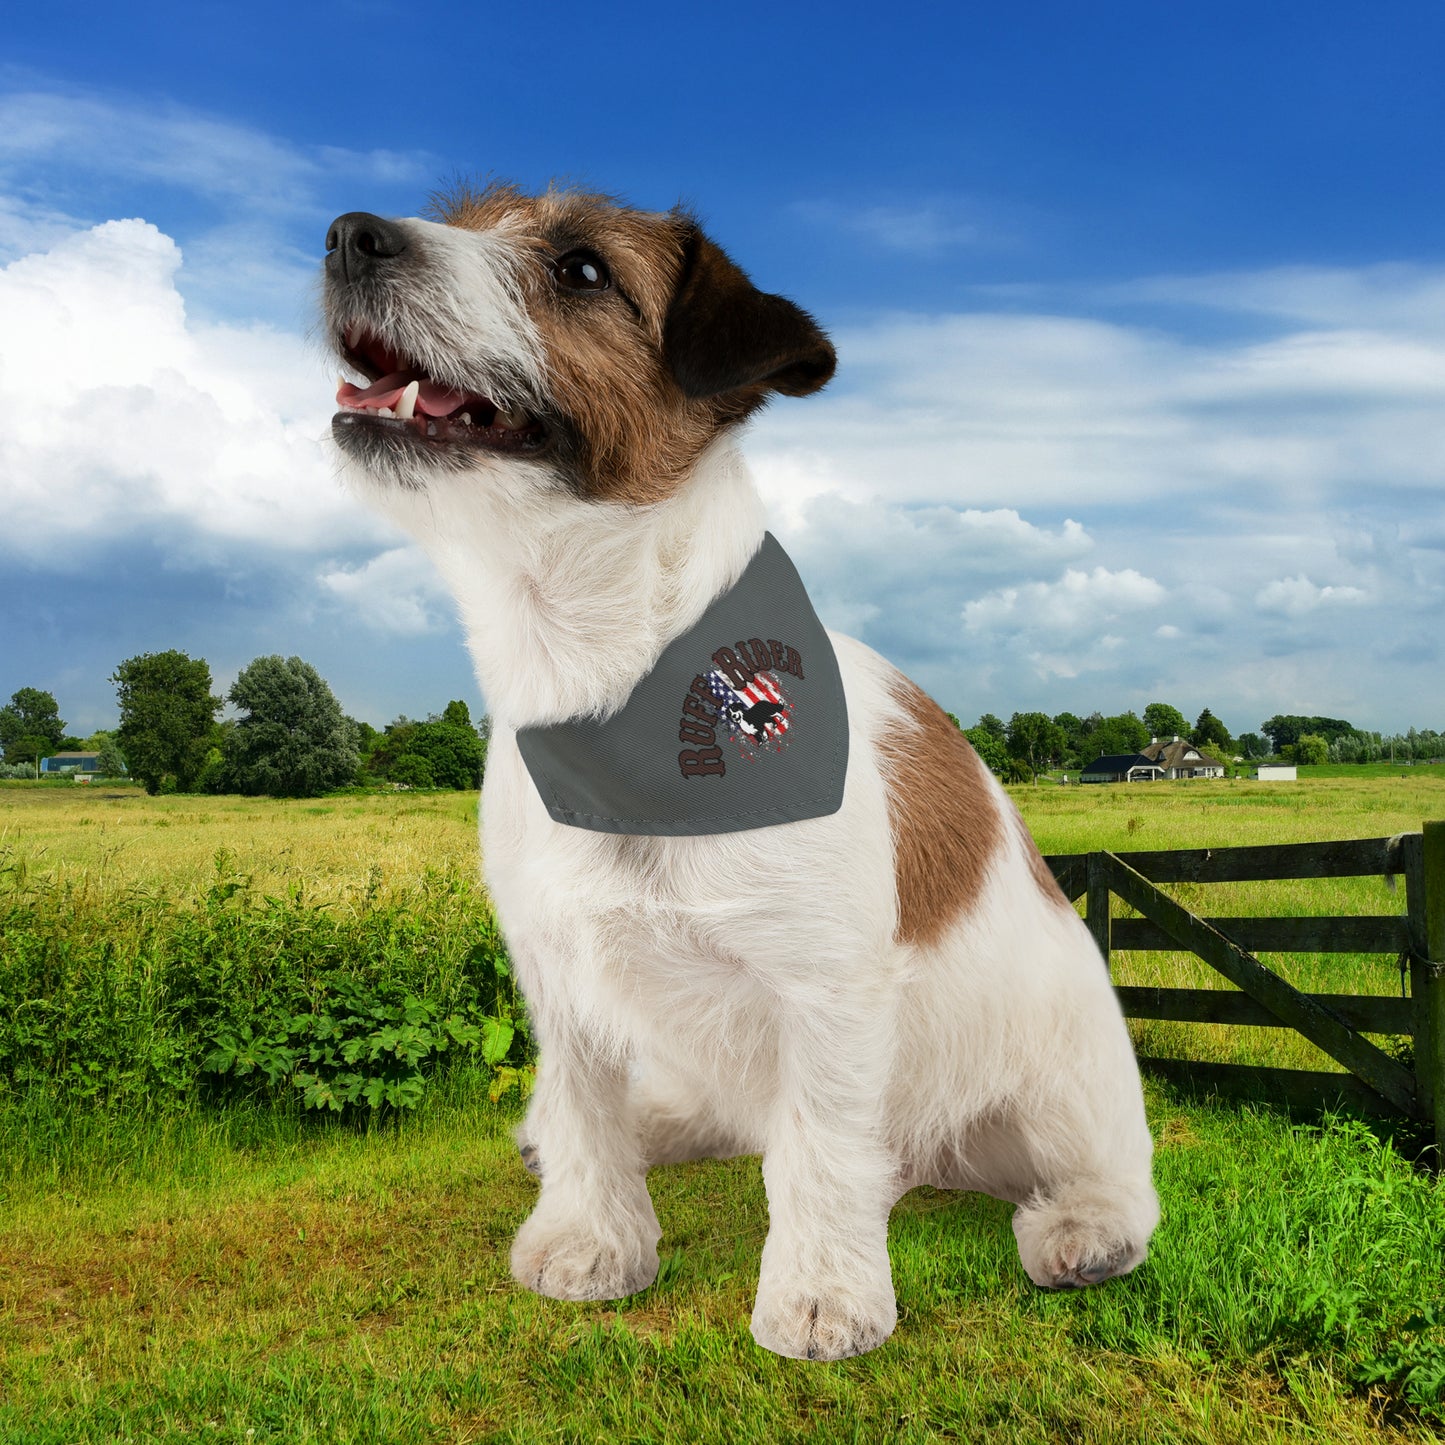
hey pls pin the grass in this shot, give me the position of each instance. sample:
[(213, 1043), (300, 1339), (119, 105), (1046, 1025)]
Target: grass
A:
[(103, 842), (237, 1271), (1328, 804), (256, 1280)]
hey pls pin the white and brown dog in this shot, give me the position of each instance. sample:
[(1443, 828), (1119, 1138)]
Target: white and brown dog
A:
[(895, 993)]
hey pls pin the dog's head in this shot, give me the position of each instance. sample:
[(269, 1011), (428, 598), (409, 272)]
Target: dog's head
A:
[(600, 347)]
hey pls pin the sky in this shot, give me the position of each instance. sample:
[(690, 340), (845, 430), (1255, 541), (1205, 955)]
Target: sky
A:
[(1140, 312)]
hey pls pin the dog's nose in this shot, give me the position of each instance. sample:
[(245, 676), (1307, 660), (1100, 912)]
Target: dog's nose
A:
[(358, 241)]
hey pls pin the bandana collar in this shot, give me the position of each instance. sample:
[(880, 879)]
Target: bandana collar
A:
[(741, 724)]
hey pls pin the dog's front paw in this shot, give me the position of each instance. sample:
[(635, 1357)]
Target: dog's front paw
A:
[(578, 1264), (822, 1324)]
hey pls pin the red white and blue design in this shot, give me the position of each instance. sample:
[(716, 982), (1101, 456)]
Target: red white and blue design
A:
[(756, 716)]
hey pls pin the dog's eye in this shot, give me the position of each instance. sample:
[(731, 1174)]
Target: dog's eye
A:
[(581, 271)]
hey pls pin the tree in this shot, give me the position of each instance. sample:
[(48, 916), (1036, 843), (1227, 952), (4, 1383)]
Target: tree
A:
[(108, 758), (1034, 738), (1251, 745), (1310, 749), (292, 740), (32, 715), (167, 713), (989, 748), (1119, 735), (1165, 722), (1075, 730), (993, 725), (454, 753), (1284, 729), (412, 771), (1210, 732)]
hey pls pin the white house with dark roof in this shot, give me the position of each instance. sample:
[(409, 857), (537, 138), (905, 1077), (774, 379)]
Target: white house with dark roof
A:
[(1181, 759)]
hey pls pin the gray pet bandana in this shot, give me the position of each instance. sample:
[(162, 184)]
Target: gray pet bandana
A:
[(741, 724)]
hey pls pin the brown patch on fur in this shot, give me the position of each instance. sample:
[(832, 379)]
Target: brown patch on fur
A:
[(946, 822), (633, 434), (1040, 871)]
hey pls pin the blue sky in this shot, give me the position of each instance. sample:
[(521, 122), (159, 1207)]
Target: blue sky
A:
[(1140, 311)]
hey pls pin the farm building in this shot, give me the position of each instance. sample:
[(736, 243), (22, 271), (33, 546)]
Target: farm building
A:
[(1181, 759), (1122, 768), (1276, 772), (71, 763)]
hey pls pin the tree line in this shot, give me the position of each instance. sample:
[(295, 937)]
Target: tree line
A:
[(289, 740), (1033, 742)]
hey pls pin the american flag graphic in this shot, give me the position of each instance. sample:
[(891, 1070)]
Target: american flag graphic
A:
[(754, 715)]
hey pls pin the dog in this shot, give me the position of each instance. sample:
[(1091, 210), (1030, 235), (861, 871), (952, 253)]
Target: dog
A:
[(889, 992)]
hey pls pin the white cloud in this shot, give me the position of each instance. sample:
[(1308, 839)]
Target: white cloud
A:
[(124, 417), (996, 410), (180, 146), (1403, 298), (1075, 607), (1298, 596), (922, 229), (397, 592)]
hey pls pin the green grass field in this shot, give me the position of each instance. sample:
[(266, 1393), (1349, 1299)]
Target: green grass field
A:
[(177, 1264)]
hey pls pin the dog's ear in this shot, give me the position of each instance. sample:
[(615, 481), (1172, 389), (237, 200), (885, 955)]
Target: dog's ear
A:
[(723, 335)]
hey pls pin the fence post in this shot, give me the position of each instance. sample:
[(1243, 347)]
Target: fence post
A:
[(1096, 911), (1427, 983)]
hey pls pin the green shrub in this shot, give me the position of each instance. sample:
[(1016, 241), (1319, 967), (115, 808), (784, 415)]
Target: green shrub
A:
[(143, 1001)]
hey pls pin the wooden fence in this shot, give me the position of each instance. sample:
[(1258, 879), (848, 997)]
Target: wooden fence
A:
[(1337, 1023)]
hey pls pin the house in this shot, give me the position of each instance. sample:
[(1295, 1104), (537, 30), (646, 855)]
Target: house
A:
[(85, 762), (1181, 759), (1122, 768), (1276, 772)]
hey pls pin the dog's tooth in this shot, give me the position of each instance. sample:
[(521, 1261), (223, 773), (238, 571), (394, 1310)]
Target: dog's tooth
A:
[(466, 418), (406, 407), (353, 336), (385, 411), (513, 419)]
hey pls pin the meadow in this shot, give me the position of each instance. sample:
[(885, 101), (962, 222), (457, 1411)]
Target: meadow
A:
[(199, 1257)]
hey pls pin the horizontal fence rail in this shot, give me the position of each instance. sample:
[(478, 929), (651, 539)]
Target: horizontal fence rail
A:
[(1336, 1023)]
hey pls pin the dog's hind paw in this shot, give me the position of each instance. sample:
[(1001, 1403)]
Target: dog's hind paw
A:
[(1074, 1242), (820, 1324)]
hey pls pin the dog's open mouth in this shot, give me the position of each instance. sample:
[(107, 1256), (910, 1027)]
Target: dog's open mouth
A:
[(404, 400)]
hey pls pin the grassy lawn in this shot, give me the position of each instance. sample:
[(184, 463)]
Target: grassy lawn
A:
[(238, 1271), (242, 1278)]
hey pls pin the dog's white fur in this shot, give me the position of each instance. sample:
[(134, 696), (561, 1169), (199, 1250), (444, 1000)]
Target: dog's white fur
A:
[(745, 992)]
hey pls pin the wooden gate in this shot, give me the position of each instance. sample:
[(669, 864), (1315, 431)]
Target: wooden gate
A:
[(1376, 1082)]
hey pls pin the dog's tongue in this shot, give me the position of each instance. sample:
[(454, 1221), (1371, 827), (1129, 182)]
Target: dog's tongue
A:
[(432, 400)]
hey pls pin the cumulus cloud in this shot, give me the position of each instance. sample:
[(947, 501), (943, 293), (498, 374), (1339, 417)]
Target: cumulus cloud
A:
[(125, 417), (1298, 596), (396, 592), (1079, 623), (1057, 411), (999, 500)]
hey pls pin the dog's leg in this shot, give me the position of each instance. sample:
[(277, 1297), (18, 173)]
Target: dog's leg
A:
[(593, 1233), (825, 1290), (675, 1124), (1088, 1210)]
